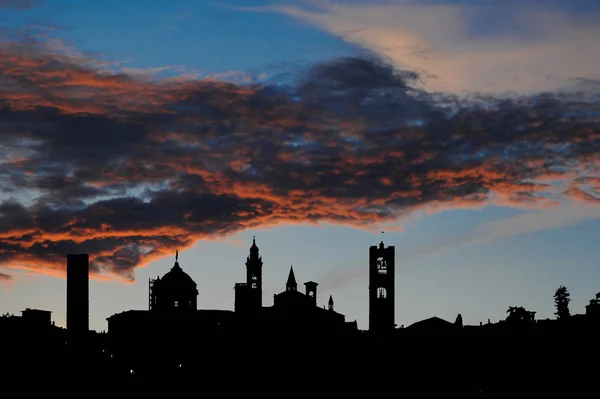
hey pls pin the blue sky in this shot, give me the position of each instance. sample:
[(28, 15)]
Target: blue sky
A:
[(476, 262)]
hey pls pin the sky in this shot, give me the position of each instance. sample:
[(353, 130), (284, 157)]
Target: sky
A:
[(464, 133)]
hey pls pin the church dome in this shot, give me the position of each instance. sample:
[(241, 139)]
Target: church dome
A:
[(175, 291), (176, 278)]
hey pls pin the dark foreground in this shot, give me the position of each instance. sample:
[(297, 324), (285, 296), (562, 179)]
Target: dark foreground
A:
[(423, 367)]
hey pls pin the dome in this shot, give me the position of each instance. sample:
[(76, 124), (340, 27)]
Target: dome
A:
[(175, 291), (177, 278)]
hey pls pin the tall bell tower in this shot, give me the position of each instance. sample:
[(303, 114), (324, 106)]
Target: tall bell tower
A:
[(254, 277), (381, 289)]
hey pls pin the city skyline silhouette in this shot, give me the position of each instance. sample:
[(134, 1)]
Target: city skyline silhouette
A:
[(282, 124), (227, 171), (178, 293), (176, 340)]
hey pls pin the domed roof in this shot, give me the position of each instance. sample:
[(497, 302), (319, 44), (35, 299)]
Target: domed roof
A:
[(176, 277)]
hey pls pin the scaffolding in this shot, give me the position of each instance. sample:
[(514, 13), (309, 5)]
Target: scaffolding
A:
[(151, 297)]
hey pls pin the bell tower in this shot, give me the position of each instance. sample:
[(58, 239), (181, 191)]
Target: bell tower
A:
[(381, 288), (311, 291), (254, 277)]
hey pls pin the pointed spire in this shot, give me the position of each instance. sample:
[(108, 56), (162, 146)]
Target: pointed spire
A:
[(291, 281), (254, 248), (176, 255), (330, 304)]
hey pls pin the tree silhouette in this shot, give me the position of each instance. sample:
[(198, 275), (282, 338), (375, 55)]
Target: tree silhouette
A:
[(518, 315), (561, 301)]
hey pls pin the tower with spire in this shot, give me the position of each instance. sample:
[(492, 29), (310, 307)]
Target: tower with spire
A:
[(248, 295), (291, 308), (254, 277), (381, 288), (300, 311)]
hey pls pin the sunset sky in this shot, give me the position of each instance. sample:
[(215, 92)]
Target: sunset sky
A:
[(467, 130)]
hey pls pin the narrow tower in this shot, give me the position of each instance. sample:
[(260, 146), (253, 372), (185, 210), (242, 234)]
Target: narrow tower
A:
[(77, 296), (254, 277), (381, 288), (311, 290), (330, 304)]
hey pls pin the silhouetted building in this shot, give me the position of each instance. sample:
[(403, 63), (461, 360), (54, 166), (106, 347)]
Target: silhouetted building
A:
[(433, 326), (297, 313), (77, 296), (175, 291), (37, 317), (175, 329), (176, 342), (33, 346), (248, 295), (31, 319), (173, 326), (381, 289), (593, 308), (292, 312), (311, 290)]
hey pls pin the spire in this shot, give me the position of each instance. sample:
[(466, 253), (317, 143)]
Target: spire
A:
[(330, 304), (291, 284), (254, 248)]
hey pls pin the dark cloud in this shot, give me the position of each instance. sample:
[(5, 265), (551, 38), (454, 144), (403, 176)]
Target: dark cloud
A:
[(128, 169), (5, 277)]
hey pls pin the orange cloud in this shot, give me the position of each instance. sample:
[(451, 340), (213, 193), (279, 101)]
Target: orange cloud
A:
[(128, 168)]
